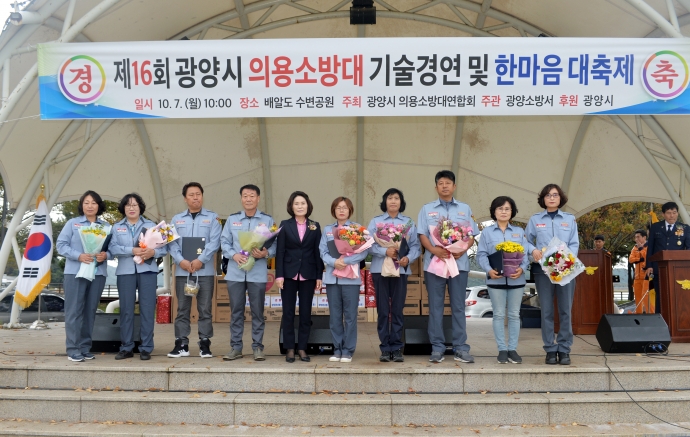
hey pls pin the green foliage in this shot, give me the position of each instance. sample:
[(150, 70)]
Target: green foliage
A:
[(617, 223)]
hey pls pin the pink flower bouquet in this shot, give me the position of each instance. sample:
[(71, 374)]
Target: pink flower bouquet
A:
[(156, 237), (391, 235), (455, 238), (349, 240)]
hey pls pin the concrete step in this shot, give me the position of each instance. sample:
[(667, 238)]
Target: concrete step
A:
[(338, 409), (259, 378), (123, 429)]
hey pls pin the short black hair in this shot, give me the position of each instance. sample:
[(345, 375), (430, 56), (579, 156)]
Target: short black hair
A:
[(250, 187), (125, 200), (189, 185), (444, 174), (669, 205), (291, 200), (96, 198), (499, 202), (599, 237), (388, 192), (546, 190), (641, 232)]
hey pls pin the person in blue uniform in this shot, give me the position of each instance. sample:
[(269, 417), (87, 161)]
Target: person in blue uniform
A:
[(505, 291), (196, 221), (299, 271), (242, 283), (668, 234), (81, 295), (391, 292), (133, 277), (542, 227), (343, 293), (446, 206)]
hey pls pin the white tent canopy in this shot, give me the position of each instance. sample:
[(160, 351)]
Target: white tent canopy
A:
[(598, 159)]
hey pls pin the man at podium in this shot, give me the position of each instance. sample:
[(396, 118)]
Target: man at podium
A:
[(666, 235)]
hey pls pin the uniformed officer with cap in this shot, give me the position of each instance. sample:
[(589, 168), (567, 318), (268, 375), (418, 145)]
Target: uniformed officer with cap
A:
[(242, 283), (666, 235)]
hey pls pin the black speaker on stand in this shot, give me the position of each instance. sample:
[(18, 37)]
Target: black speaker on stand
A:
[(106, 333), (631, 333), (416, 335), (319, 336)]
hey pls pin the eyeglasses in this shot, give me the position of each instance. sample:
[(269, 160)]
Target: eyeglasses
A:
[(342, 208), (504, 209), (131, 206), (552, 196)]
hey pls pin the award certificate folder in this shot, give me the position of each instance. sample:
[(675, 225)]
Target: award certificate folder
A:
[(333, 250), (143, 232), (192, 247), (496, 261), (404, 249), (106, 243)]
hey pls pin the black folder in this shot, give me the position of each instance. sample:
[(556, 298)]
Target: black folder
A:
[(106, 243), (404, 249), (192, 247), (333, 249), (496, 262), (143, 232)]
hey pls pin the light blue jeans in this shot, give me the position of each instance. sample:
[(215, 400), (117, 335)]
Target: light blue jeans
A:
[(512, 299)]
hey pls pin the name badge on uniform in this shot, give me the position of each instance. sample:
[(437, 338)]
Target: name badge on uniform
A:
[(516, 235), (329, 234), (180, 222), (541, 225), (237, 224), (77, 225), (565, 225), (206, 222), (121, 230), (461, 214), (433, 214)]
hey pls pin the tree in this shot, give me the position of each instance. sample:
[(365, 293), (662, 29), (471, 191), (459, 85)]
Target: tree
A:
[(617, 223)]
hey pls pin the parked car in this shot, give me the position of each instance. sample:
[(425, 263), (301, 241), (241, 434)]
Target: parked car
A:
[(52, 308), (477, 302)]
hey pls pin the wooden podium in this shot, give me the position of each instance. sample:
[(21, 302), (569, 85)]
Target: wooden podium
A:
[(674, 266), (593, 293)]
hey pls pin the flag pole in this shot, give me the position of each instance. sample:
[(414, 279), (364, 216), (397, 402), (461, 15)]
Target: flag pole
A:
[(38, 323)]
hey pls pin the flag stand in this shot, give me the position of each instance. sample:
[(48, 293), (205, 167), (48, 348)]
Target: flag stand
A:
[(38, 323)]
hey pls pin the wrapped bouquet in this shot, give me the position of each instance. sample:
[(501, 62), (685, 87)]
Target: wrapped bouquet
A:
[(559, 263), (259, 237), (513, 254), (92, 239), (349, 240), (391, 235), (156, 237), (455, 238)]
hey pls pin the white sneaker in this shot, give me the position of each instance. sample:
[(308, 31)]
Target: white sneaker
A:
[(346, 359), (334, 358)]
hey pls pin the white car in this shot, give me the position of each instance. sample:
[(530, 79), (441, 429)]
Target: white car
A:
[(477, 302)]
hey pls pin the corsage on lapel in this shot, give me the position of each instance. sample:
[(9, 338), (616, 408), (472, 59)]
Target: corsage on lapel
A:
[(680, 231), (312, 226)]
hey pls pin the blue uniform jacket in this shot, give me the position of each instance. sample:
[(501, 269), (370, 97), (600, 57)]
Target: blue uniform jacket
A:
[(378, 253), (69, 245), (429, 216), (124, 240), (230, 243), (206, 225), (493, 235), (541, 229), (660, 239), (328, 277)]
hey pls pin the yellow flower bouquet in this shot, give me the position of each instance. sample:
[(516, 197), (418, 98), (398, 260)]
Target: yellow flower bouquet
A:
[(513, 254)]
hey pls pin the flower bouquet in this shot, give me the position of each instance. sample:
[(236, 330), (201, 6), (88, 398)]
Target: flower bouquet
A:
[(559, 263), (391, 235), (455, 238), (92, 239), (513, 254), (349, 240), (156, 237), (260, 236)]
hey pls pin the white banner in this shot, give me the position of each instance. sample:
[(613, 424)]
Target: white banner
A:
[(364, 77)]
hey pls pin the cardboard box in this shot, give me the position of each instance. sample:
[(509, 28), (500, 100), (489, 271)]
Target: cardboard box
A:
[(314, 302), (417, 266), (271, 286), (322, 308), (221, 292), (221, 312), (362, 302), (414, 288), (446, 308), (273, 315), (412, 308), (276, 302), (372, 315), (362, 314)]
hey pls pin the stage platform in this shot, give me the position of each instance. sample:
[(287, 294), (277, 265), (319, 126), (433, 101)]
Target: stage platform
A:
[(39, 383)]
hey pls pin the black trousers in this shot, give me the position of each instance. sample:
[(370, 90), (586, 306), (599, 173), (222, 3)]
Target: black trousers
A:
[(305, 290), (390, 300)]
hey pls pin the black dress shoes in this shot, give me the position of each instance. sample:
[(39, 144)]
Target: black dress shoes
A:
[(123, 355), (304, 358), (563, 358), (143, 355), (290, 356), (551, 358)]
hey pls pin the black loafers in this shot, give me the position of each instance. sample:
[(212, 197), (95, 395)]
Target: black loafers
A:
[(563, 358), (124, 355), (143, 355), (551, 358)]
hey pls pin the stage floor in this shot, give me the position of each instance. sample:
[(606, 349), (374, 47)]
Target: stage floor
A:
[(24, 347)]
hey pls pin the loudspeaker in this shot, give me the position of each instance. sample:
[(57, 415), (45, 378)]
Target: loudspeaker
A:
[(319, 335), (416, 335), (631, 333), (106, 333)]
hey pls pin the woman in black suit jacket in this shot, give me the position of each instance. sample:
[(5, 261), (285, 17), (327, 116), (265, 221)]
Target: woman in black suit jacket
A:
[(299, 270)]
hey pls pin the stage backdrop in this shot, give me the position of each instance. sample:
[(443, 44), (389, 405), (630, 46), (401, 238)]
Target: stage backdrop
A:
[(364, 77)]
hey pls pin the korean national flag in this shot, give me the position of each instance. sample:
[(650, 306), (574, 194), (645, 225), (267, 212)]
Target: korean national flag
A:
[(34, 273)]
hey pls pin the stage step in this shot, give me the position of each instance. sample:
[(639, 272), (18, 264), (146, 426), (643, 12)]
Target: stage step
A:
[(337, 409), (390, 378)]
